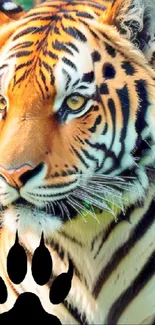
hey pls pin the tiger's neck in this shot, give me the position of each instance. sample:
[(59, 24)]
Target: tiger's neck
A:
[(89, 243)]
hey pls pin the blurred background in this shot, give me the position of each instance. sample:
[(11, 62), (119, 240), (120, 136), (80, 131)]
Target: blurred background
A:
[(28, 4)]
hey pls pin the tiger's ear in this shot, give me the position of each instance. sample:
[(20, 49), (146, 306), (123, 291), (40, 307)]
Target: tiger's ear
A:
[(135, 20), (9, 13)]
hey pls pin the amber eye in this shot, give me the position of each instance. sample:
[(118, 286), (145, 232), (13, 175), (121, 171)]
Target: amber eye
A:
[(75, 102), (3, 106)]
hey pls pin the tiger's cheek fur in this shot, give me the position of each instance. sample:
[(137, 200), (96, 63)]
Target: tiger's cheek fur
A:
[(123, 92)]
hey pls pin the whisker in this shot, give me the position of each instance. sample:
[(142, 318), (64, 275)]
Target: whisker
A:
[(78, 210), (66, 210), (82, 207), (60, 207), (149, 168), (103, 189), (101, 185), (100, 204), (109, 177), (51, 207), (86, 196)]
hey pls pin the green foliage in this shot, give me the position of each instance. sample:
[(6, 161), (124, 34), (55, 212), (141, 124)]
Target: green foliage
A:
[(26, 4)]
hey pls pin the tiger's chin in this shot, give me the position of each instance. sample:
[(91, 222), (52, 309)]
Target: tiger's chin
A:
[(25, 219)]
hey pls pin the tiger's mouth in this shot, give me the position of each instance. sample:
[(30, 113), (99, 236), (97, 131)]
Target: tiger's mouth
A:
[(60, 209), (101, 193), (97, 193)]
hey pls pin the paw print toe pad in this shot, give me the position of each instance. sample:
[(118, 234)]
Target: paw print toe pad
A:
[(41, 264), (3, 291), (17, 262), (61, 286)]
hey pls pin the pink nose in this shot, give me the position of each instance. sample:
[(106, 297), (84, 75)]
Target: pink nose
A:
[(15, 177)]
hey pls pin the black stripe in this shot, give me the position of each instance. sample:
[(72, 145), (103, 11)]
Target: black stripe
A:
[(73, 46), (81, 319), (143, 105), (100, 100), (92, 31), (76, 82), (3, 66), (90, 157), (61, 47), (43, 78), (50, 18), (57, 248), (121, 217), (62, 185), (26, 64), (132, 291), (112, 109), (49, 69), (56, 30), (104, 89), (80, 157), (22, 46), (42, 42), (105, 236), (28, 30), (106, 233), (123, 95), (72, 239), (84, 14), (78, 139), (51, 54), (37, 15), (61, 252), (69, 63), (69, 17), (75, 33), (38, 83), (136, 234), (111, 51), (96, 123), (68, 77), (97, 145), (23, 77), (20, 54), (105, 129), (84, 87)]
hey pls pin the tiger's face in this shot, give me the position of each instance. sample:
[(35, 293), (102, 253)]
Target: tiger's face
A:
[(76, 120)]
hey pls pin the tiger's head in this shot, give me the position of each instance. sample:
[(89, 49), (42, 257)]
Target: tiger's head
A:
[(77, 111)]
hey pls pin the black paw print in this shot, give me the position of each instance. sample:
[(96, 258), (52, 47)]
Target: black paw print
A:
[(28, 306)]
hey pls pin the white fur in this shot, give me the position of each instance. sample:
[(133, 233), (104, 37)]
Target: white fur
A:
[(9, 6), (24, 219)]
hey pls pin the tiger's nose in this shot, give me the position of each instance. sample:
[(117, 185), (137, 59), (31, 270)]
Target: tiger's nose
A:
[(18, 177)]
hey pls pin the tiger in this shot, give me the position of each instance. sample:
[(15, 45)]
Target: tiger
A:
[(77, 153)]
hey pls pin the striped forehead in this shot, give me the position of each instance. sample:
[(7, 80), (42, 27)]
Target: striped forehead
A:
[(52, 37), (74, 70), (62, 52)]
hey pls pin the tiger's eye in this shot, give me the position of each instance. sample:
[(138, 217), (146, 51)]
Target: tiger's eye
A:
[(75, 102), (3, 106)]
